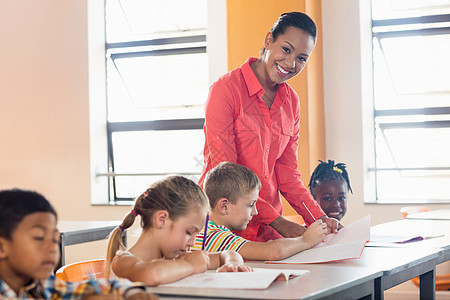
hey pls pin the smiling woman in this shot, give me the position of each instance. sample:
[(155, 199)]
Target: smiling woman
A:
[(252, 118)]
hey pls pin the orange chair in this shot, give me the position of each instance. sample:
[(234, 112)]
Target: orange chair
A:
[(442, 281), (80, 271)]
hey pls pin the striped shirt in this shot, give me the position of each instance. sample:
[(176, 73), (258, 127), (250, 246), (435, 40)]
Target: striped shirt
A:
[(55, 288), (218, 238)]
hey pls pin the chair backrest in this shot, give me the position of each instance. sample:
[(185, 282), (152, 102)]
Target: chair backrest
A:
[(80, 271), (412, 210)]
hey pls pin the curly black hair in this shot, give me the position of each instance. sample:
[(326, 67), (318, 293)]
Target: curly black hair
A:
[(329, 170)]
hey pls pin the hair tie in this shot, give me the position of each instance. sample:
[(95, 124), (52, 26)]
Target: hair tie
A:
[(121, 228), (134, 213), (337, 170)]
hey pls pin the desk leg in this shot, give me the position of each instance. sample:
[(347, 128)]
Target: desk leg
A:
[(428, 285), (378, 289)]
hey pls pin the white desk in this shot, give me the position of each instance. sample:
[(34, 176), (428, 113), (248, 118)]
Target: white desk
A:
[(77, 232), (438, 214), (323, 282), (418, 227), (399, 265), (378, 269)]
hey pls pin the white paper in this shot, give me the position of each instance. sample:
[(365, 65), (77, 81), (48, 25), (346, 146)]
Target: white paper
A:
[(347, 244), (258, 279)]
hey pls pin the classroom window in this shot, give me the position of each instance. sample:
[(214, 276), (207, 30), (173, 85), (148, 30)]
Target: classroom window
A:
[(411, 42), (157, 83)]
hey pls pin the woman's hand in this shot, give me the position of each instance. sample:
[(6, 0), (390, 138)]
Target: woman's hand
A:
[(333, 225), (287, 228)]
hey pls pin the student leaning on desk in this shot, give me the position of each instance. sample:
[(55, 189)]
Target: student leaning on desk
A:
[(172, 212), (233, 190), (252, 118), (29, 252)]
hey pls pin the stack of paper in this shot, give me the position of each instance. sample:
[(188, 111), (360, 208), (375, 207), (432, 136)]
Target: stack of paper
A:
[(347, 244)]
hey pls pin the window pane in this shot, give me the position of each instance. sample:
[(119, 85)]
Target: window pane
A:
[(129, 20), (408, 67), (156, 152), (413, 186), (157, 87), (389, 9), (413, 147)]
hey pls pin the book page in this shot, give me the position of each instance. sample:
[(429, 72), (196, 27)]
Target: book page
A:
[(258, 279), (347, 244)]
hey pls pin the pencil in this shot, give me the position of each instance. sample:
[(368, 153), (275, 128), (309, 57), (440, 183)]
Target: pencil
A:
[(309, 211), (205, 232)]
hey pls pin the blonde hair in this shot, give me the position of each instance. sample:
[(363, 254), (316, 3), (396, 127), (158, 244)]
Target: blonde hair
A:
[(175, 194), (231, 181)]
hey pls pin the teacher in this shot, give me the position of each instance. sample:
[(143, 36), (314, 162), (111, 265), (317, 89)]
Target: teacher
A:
[(252, 118)]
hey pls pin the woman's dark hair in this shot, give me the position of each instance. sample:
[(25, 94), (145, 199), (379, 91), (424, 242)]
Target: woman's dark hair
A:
[(16, 204), (329, 171), (294, 19)]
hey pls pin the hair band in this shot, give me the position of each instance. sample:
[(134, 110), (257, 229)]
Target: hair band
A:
[(337, 170), (134, 213), (121, 228)]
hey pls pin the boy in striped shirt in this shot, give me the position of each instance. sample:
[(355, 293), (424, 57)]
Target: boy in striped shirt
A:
[(233, 190)]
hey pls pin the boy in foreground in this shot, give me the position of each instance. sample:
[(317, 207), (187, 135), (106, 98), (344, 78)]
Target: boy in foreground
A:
[(29, 252), (233, 190)]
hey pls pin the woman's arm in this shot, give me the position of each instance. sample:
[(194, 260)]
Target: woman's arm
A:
[(288, 176), (161, 270), (286, 228)]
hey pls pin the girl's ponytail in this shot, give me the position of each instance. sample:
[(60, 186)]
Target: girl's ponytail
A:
[(115, 240)]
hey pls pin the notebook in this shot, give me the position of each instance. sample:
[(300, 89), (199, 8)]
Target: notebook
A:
[(348, 243), (259, 279)]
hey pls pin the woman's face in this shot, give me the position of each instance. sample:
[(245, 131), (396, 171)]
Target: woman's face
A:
[(287, 56)]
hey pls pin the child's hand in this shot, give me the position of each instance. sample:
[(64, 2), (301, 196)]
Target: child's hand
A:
[(234, 268), (333, 225), (315, 233), (198, 259)]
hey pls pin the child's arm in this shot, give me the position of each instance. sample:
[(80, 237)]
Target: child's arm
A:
[(285, 247), (228, 261), (160, 271)]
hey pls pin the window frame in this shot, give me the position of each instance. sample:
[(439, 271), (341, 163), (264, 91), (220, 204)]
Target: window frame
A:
[(378, 34), (118, 50)]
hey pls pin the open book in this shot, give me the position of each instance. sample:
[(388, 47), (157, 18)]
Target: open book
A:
[(347, 244), (258, 279)]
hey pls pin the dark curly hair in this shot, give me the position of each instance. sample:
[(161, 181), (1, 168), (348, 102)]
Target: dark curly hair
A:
[(329, 170)]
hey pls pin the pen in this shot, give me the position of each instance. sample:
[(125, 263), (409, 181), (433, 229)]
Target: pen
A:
[(309, 211), (94, 283), (205, 231)]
